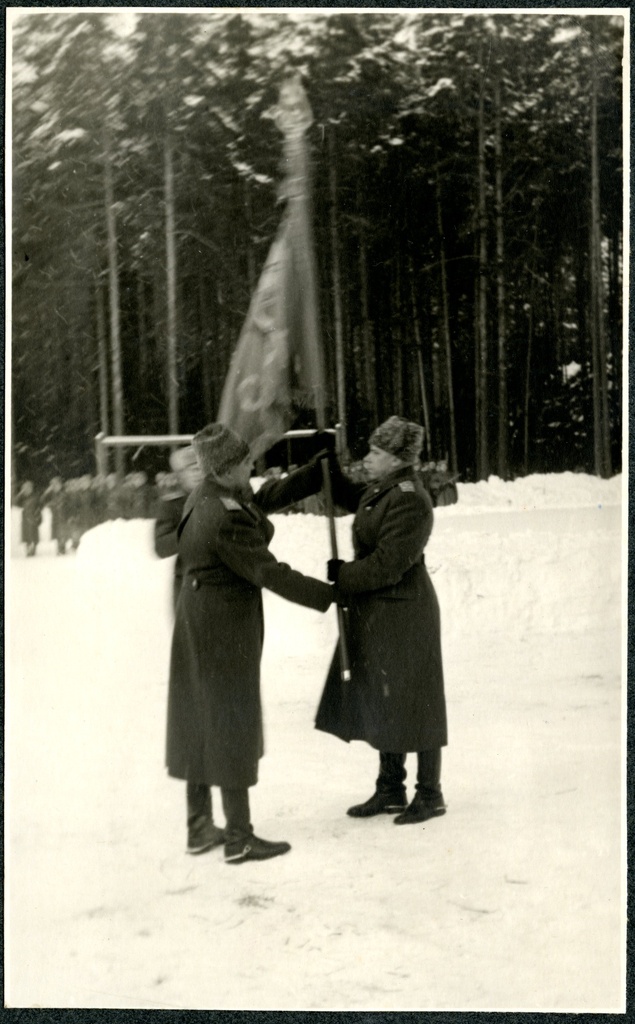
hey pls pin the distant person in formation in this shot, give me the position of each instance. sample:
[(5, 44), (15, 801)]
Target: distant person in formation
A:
[(55, 498), (73, 505), (31, 518), (395, 698), (170, 510), (440, 485), (214, 732)]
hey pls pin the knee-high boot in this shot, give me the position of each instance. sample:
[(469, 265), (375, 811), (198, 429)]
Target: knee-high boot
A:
[(390, 792), (428, 799), (429, 774), (202, 833), (237, 813)]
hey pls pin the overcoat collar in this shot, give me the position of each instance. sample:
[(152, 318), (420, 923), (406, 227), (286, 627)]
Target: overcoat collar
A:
[(210, 488), (216, 490), (379, 487)]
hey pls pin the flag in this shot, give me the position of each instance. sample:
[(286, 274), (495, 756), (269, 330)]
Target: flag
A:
[(277, 366)]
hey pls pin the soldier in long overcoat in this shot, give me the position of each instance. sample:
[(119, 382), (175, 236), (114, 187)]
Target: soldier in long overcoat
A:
[(31, 517), (55, 498), (395, 698), (215, 735)]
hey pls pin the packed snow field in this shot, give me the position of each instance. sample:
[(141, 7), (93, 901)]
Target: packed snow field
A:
[(513, 900)]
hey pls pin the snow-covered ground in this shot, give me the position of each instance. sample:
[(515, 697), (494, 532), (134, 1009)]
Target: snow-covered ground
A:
[(514, 900)]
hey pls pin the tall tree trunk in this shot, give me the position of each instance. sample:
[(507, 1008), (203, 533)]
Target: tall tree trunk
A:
[(601, 446), (397, 339), (367, 346), (142, 330), (556, 310), (113, 289), (340, 367), (436, 372), (102, 357), (380, 363), (477, 352), (207, 368), (422, 381), (615, 311), (482, 462), (170, 254), (582, 296), (530, 341), (503, 413), (398, 379), (615, 327), (446, 330)]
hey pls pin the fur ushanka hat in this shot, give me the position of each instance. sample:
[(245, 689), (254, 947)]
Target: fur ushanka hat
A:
[(399, 437), (218, 449)]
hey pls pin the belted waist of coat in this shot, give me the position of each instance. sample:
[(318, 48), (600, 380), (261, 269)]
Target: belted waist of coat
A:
[(421, 560), (212, 578)]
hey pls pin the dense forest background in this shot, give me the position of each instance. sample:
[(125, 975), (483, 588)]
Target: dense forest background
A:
[(467, 209)]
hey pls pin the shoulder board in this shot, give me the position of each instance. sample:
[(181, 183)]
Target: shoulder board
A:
[(231, 505), (407, 485)]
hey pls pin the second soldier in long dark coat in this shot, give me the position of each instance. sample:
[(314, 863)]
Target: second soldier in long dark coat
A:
[(215, 735)]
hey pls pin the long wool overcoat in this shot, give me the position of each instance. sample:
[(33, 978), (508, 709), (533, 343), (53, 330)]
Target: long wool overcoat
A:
[(395, 698), (31, 519), (214, 732)]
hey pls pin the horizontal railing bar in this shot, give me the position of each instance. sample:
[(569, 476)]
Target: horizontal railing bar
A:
[(122, 441)]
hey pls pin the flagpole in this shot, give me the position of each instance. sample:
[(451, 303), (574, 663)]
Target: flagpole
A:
[(293, 118)]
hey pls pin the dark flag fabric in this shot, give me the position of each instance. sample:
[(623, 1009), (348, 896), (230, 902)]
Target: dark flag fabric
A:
[(276, 368)]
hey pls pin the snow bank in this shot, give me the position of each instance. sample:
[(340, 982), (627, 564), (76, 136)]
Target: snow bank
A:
[(510, 556), (540, 490), (530, 564)]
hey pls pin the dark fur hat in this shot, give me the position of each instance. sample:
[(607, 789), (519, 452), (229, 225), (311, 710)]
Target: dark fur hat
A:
[(399, 437), (218, 449)]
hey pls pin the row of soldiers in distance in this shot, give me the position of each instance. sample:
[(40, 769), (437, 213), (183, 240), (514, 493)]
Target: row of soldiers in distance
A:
[(79, 504)]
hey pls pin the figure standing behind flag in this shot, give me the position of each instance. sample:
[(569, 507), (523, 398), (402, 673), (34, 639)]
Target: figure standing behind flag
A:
[(214, 734)]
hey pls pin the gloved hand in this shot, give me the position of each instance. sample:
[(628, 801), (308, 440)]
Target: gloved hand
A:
[(333, 567), (324, 446), (341, 599)]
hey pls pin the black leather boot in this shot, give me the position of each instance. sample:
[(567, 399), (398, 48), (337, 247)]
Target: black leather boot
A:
[(428, 800), (242, 846), (390, 792), (202, 833), (240, 842)]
